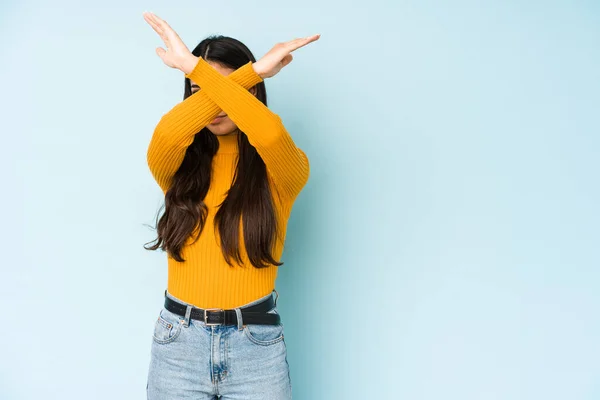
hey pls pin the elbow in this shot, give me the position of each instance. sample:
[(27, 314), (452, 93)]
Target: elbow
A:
[(300, 177), (151, 151), (305, 168)]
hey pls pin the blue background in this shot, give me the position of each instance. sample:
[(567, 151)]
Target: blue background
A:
[(445, 246)]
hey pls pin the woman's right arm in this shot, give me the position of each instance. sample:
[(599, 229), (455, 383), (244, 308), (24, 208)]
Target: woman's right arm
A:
[(176, 129)]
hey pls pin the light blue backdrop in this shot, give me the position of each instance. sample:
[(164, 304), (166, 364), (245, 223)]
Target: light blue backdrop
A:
[(445, 246)]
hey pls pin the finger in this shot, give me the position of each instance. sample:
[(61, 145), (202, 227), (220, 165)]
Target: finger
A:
[(286, 60), (304, 39), (301, 42), (163, 35), (154, 26), (153, 16), (167, 28), (153, 23), (161, 22), (148, 16), (164, 27)]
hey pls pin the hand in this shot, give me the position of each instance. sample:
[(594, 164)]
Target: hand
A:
[(279, 56), (177, 52)]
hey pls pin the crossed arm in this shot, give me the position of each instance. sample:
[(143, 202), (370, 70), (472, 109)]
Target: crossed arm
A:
[(285, 162)]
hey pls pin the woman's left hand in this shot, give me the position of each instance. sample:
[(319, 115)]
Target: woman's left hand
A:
[(177, 52), (280, 56)]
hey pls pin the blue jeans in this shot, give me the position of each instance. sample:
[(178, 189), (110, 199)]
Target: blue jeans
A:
[(192, 360)]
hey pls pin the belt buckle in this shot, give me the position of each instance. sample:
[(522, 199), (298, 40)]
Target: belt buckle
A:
[(213, 323)]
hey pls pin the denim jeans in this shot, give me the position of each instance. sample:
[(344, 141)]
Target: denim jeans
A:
[(192, 360)]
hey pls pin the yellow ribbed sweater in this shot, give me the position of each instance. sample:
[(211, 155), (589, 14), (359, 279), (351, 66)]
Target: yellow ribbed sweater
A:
[(204, 279)]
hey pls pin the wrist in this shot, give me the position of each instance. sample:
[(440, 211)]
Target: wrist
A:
[(188, 63), (258, 70)]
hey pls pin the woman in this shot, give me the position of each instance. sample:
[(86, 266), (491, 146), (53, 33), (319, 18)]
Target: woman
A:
[(230, 173)]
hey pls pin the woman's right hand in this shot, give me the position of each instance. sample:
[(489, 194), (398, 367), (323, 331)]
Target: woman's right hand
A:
[(279, 56), (177, 52)]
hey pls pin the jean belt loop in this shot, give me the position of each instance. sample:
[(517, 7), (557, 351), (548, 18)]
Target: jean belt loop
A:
[(188, 312), (240, 322)]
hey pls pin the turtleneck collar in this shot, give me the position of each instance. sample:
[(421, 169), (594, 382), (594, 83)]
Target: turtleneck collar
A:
[(228, 143)]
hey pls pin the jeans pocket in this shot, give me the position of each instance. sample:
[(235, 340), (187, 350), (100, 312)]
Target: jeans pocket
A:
[(167, 327), (264, 334)]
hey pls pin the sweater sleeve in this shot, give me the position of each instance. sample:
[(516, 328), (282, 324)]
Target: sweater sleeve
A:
[(176, 129), (286, 163)]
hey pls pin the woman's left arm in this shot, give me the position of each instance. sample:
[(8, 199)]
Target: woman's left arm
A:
[(286, 163)]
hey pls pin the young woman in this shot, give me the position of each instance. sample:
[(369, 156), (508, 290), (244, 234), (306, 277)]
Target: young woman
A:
[(230, 173)]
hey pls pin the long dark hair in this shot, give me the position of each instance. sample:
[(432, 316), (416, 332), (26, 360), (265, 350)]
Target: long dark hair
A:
[(248, 200)]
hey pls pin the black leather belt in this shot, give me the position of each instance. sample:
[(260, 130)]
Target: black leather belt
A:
[(254, 314)]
